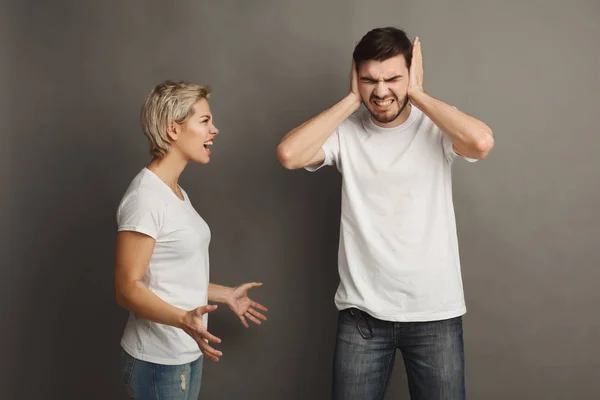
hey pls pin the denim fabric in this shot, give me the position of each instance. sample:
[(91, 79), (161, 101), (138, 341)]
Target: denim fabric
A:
[(148, 381), (365, 350)]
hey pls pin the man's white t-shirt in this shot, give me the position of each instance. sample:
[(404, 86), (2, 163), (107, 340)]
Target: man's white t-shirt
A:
[(398, 256), (178, 272)]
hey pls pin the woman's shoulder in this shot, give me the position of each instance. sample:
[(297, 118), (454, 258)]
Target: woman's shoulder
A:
[(142, 191)]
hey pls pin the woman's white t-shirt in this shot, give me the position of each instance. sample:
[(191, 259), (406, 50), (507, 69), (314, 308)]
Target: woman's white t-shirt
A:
[(178, 271)]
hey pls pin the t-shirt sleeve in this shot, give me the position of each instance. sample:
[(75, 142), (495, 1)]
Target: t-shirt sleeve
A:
[(449, 152), (331, 148), (141, 211)]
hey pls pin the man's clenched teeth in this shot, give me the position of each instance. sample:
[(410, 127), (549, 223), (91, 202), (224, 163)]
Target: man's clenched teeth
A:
[(383, 103)]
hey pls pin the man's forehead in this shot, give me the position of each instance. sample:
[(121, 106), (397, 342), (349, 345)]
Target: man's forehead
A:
[(384, 69)]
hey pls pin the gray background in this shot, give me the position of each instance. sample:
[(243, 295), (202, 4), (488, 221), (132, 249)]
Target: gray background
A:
[(74, 75)]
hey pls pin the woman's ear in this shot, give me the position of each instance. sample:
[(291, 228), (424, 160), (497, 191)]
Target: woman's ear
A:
[(173, 131)]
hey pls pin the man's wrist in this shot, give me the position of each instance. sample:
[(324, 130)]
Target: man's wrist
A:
[(353, 100), (417, 97)]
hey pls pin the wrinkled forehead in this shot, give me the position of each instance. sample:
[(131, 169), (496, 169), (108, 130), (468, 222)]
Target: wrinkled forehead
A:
[(373, 69)]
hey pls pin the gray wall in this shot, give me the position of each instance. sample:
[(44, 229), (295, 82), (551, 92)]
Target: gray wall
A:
[(528, 219)]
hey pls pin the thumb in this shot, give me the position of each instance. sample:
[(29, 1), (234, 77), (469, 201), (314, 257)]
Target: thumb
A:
[(247, 286), (206, 309)]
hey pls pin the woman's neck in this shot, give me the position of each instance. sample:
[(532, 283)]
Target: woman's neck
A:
[(169, 169)]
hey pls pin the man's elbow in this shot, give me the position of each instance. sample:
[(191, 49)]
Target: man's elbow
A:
[(286, 157), (484, 145)]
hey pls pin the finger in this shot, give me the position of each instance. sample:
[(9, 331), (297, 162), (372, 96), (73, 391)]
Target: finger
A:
[(417, 52), (259, 306), (210, 356), (244, 321), (251, 318), (257, 314), (210, 352), (207, 309), (248, 286), (205, 347), (209, 336)]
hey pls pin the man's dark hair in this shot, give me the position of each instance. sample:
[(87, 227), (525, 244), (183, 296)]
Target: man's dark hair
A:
[(383, 43)]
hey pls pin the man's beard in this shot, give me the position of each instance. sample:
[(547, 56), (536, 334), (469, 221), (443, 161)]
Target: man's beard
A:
[(388, 120)]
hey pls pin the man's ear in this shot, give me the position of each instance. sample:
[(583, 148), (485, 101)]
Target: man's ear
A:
[(173, 131)]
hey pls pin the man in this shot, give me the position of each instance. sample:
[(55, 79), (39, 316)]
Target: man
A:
[(400, 277)]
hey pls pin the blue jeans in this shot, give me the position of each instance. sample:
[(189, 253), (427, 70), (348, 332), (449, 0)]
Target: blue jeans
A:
[(366, 348), (148, 381)]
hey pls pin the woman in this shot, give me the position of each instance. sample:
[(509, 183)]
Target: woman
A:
[(162, 267)]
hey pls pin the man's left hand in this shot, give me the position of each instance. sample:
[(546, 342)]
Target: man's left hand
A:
[(415, 86)]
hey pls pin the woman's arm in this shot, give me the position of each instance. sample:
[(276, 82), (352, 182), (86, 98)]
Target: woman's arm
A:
[(238, 301), (133, 253)]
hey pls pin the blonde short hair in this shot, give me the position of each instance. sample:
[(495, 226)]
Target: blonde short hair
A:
[(166, 103)]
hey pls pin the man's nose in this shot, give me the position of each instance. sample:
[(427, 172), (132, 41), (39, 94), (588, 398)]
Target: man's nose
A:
[(381, 89)]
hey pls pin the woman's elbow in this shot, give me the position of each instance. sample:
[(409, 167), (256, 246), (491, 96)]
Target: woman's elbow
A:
[(122, 293), (119, 297)]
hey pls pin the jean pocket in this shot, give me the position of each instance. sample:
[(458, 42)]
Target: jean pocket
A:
[(349, 315)]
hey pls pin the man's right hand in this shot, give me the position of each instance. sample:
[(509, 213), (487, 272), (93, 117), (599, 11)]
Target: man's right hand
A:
[(302, 146), (193, 325), (354, 81)]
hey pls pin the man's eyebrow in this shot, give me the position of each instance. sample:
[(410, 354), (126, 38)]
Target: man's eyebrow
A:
[(371, 79)]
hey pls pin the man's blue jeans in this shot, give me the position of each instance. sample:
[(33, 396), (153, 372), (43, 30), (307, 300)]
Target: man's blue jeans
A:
[(365, 350)]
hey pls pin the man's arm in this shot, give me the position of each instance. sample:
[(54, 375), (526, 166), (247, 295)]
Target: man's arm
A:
[(470, 137), (301, 146)]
